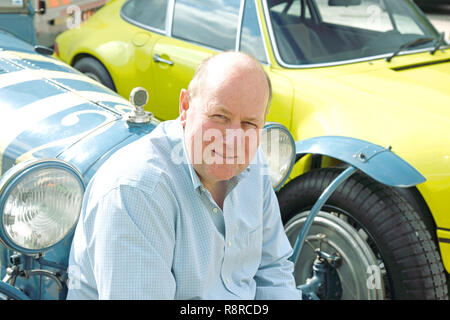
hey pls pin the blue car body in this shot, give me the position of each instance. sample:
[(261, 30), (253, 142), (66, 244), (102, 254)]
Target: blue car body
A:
[(50, 110), (18, 19)]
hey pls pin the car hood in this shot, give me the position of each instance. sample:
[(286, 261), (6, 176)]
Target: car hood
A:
[(420, 86), (48, 109), (404, 104), (11, 42)]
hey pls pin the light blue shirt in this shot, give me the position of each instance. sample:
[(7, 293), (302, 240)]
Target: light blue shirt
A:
[(150, 230)]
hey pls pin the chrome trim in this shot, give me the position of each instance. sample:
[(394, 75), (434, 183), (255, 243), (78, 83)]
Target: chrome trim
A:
[(267, 63), (239, 27), (271, 35), (344, 62), (169, 17), (21, 167), (169, 27), (16, 174), (140, 25), (329, 64), (198, 44), (278, 126), (238, 38), (157, 58)]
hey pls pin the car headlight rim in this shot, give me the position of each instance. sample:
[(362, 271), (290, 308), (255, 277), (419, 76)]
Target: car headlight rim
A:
[(13, 177), (275, 125)]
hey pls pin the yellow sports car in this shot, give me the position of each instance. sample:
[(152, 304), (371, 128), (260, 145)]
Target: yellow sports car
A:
[(342, 71)]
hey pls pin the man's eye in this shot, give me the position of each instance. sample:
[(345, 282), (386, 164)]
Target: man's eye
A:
[(249, 124), (219, 116)]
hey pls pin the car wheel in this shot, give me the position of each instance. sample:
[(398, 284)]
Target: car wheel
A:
[(95, 70), (385, 249)]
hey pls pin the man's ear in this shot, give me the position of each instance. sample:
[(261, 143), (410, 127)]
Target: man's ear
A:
[(183, 105)]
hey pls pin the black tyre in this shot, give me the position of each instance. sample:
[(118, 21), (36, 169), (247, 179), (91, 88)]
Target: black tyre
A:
[(95, 70), (386, 250)]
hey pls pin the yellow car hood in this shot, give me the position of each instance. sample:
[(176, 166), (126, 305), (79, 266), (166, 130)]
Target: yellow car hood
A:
[(404, 104), (422, 85), (377, 101)]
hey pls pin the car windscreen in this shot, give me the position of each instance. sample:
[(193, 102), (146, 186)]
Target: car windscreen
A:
[(13, 6), (310, 32)]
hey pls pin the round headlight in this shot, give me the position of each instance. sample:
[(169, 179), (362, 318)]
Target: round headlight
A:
[(279, 148), (40, 203)]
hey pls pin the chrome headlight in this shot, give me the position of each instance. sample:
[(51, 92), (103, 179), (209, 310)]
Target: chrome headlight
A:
[(40, 202), (279, 148)]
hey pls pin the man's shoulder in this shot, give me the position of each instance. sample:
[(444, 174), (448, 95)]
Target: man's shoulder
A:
[(142, 164)]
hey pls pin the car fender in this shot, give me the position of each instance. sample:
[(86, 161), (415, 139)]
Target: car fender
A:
[(380, 163)]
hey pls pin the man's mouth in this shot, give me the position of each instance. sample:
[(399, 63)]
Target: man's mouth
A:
[(225, 157)]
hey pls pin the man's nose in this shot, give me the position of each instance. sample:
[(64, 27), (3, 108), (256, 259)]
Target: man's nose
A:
[(234, 140), (233, 135)]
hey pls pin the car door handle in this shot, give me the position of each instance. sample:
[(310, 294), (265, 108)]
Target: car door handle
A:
[(157, 58)]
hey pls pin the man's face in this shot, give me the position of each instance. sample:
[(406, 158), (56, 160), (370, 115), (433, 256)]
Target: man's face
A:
[(223, 126)]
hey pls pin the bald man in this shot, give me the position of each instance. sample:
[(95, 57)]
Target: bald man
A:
[(188, 212)]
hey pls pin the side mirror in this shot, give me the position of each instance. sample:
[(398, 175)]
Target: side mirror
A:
[(139, 98)]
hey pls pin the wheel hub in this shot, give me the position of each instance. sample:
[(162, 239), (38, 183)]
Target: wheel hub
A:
[(343, 254)]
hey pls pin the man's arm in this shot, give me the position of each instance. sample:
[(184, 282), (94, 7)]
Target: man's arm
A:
[(274, 278), (130, 242)]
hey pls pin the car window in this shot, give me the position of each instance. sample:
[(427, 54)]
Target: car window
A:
[(13, 6), (11, 3), (405, 23), (291, 8), (369, 14), (209, 22), (251, 37), (151, 13), (344, 30)]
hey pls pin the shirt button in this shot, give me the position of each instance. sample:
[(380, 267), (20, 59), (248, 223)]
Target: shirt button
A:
[(229, 243), (215, 210), (228, 280)]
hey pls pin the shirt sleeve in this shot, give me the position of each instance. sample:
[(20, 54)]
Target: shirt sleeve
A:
[(274, 278), (131, 244)]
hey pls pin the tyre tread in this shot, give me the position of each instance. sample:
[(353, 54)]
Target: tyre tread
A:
[(401, 229)]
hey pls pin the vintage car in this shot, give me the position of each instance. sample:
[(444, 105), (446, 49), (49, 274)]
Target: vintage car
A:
[(375, 70), (57, 127), (372, 70)]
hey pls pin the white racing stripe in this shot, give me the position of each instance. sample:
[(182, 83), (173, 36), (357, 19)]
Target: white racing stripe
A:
[(100, 96), (12, 78), (33, 56), (15, 121), (20, 76), (15, 77), (34, 74), (98, 130)]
